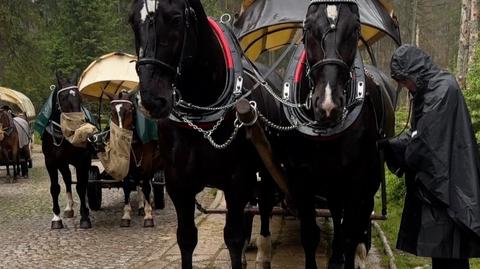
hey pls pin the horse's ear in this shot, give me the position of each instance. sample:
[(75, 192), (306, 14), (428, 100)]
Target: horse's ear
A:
[(60, 78), (75, 76), (109, 95)]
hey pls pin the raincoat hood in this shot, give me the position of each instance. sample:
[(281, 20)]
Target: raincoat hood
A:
[(411, 63)]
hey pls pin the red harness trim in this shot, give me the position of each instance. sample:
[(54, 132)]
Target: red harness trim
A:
[(300, 68), (223, 41)]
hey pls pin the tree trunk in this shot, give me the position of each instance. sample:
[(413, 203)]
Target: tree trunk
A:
[(414, 38), (473, 31), (463, 48)]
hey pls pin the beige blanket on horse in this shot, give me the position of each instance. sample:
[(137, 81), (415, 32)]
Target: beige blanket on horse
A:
[(116, 158)]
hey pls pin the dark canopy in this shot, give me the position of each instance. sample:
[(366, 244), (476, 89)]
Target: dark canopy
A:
[(270, 24)]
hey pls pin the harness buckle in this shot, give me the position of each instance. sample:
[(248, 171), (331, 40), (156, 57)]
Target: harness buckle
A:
[(238, 86)]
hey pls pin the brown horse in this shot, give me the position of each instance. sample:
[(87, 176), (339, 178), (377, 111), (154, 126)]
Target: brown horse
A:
[(9, 142), (144, 159)]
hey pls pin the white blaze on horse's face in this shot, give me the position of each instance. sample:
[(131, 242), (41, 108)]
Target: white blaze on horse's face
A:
[(332, 12), (148, 6), (72, 92), (118, 109), (328, 104)]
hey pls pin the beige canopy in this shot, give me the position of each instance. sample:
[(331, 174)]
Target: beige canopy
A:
[(19, 100), (111, 72)]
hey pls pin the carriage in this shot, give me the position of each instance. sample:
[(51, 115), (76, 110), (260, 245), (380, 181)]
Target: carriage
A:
[(112, 73), (20, 105), (271, 31)]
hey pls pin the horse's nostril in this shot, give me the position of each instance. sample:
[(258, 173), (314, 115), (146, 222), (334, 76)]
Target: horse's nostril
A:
[(161, 102)]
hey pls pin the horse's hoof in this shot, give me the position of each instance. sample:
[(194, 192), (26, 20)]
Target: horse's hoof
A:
[(141, 211), (336, 266), (148, 223), (57, 224), (125, 223), (263, 265), (85, 224), (68, 214)]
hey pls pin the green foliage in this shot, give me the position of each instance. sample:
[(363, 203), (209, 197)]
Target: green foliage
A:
[(472, 94), (39, 37)]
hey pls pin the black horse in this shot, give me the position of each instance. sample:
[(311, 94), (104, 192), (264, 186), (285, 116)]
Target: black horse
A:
[(59, 153), (336, 154), (184, 58)]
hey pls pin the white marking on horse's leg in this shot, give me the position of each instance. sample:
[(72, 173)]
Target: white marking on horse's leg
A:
[(264, 249), (361, 256), (148, 6), (118, 108), (127, 209), (328, 104), (148, 211), (140, 198), (69, 202), (56, 218)]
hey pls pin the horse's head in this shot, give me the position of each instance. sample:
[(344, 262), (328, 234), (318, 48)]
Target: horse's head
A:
[(121, 110), (67, 97), (331, 35), (162, 37)]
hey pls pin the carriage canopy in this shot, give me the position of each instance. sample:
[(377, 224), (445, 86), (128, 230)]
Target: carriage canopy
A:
[(271, 24), (18, 100), (111, 73)]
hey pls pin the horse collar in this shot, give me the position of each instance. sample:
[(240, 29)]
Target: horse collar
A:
[(295, 75), (207, 117)]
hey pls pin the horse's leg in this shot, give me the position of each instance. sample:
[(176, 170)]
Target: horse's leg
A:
[(337, 260), (187, 233), (141, 201), (145, 193), (67, 179), (82, 182), (127, 208), (234, 231), (15, 160), (265, 202), (355, 224), (54, 191)]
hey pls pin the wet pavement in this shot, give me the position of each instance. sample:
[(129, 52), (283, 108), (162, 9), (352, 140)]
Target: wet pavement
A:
[(28, 242)]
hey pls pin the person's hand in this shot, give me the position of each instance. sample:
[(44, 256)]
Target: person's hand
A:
[(395, 160)]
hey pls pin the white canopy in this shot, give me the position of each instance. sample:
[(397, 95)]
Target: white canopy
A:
[(111, 73), (19, 100)]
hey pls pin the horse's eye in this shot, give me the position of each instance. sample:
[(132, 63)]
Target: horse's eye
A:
[(176, 20)]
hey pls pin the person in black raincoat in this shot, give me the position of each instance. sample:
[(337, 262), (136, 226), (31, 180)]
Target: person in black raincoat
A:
[(440, 159)]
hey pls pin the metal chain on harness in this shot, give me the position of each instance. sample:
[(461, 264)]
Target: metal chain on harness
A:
[(276, 126), (207, 134)]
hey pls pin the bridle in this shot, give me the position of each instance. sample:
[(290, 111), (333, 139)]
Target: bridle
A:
[(58, 94), (120, 122), (176, 71), (333, 29)]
